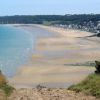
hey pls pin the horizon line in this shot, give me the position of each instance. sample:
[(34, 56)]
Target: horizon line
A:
[(50, 14)]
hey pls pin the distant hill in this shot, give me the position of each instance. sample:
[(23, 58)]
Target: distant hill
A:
[(86, 22), (56, 19)]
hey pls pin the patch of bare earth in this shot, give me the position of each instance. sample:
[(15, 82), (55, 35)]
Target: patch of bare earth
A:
[(2, 95)]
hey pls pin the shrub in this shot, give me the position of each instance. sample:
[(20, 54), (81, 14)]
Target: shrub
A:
[(97, 66)]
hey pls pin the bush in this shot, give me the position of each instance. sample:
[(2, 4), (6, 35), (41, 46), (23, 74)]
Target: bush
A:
[(7, 89), (98, 35), (97, 66)]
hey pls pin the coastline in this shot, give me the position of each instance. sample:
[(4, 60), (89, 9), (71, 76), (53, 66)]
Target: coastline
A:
[(51, 63)]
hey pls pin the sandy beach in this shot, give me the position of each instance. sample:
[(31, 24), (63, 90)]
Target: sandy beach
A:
[(59, 60)]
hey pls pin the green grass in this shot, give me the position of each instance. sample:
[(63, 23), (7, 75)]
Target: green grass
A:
[(91, 85), (7, 89), (4, 85)]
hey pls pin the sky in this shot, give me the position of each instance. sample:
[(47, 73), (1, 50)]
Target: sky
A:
[(48, 7)]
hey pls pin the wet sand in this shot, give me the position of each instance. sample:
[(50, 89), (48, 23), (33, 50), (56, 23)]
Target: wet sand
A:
[(51, 64)]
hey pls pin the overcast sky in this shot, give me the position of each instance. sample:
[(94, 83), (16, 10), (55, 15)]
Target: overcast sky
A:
[(39, 7)]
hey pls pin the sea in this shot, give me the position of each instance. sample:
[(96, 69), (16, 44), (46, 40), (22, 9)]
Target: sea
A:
[(16, 46)]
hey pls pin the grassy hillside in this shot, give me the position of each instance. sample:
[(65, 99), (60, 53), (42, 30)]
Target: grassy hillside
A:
[(91, 85), (4, 85)]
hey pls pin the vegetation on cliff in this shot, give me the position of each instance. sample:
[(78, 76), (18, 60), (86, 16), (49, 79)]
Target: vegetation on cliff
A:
[(4, 85), (91, 85)]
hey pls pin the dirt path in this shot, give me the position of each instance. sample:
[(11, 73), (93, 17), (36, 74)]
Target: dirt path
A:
[(48, 94)]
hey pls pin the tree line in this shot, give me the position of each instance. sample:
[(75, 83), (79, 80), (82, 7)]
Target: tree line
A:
[(52, 19)]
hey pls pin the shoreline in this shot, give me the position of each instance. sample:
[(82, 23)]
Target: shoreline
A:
[(53, 53)]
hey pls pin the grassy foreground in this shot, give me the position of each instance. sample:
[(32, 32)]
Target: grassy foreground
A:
[(91, 85), (4, 86)]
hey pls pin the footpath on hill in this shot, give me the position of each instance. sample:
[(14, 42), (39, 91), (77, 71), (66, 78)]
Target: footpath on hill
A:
[(48, 94)]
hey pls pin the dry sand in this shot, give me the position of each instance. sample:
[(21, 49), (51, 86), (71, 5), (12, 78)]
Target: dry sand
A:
[(51, 65)]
